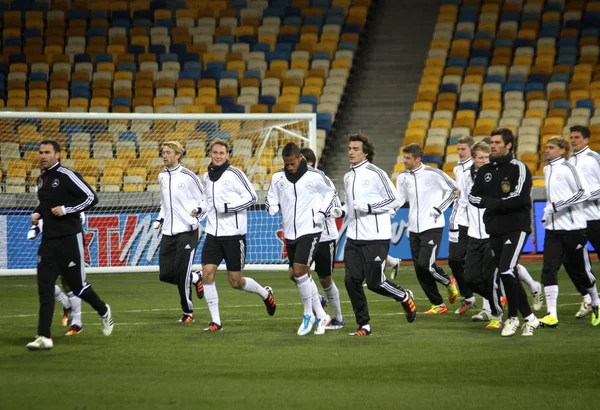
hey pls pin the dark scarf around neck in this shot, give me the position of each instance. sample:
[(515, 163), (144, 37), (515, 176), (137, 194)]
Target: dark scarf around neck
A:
[(293, 178), (214, 173)]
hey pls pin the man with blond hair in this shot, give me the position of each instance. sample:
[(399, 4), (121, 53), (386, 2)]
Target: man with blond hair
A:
[(182, 202), (229, 195)]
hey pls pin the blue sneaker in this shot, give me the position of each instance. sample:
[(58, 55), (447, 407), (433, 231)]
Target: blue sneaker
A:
[(306, 325), (336, 324)]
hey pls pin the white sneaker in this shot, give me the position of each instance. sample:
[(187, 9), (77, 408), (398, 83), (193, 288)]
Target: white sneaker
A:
[(510, 327), (483, 316), (107, 322), (321, 325), (584, 310), (306, 326), (529, 327), (538, 298), (394, 272), (41, 343)]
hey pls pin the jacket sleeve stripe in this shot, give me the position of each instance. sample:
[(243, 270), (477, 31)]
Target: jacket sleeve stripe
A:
[(474, 199), (383, 178), (194, 178), (244, 183), (580, 191), (521, 180), (83, 187)]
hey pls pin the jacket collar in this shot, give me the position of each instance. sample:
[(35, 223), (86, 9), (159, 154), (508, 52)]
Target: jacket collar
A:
[(583, 151), (366, 161), (302, 169), (467, 161), (556, 161), (214, 172), (53, 167), (174, 170), (419, 168), (502, 160)]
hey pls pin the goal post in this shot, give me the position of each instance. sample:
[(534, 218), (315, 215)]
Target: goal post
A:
[(119, 156)]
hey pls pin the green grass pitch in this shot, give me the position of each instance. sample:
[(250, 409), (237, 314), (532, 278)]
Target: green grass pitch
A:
[(258, 362)]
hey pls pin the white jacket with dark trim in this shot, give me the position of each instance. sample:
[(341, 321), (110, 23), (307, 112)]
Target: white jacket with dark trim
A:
[(460, 216), (566, 189), (227, 202), (369, 184), (588, 162), (181, 193), (426, 189)]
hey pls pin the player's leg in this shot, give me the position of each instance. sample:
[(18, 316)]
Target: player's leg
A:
[(373, 256), (432, 240), (507, 250), (553, 258), (185, 251), (235, 259), (534, 286), (456, 262), (212, 255), (354, 277), (579, 266), (394, 264), (47, 271), (72, 269), (63, 299), (474, 276), (166, 260), (421, 264), (324, 261), (74, 316)]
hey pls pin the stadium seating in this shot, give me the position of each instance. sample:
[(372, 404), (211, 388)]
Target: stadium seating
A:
[(200, 56), (531, 66)]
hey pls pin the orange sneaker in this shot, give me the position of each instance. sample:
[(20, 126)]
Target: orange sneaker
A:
[(437, 310), (213, 327), (186, 319), (503, 301), (452, 291)]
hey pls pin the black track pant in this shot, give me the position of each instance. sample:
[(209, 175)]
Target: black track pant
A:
[(175, 264), (568, 247), (424, 248), (481, 275), (456, 260), (365, 261), (62, 256), (507, 249)]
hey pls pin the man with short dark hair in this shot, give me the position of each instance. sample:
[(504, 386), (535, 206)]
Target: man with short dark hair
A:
[(305, 198), (370, 196), (503, 188), (588, 162), (63, 195), (430, 192)]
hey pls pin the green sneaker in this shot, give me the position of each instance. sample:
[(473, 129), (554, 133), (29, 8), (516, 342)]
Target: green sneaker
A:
[(595, 316), (549, 321)]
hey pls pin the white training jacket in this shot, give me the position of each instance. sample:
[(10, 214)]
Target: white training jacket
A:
[(227, 203), (181, 193), (566, 189), (367, 183), (460, 216), (299, 202), (588, 162), (475, 215), (330, 230), (426, 189)]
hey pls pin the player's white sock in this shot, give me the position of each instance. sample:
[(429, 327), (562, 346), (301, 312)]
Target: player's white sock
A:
[(526, 277), (212, 301), (76, 312), (252, 286), (530, 318), (551, 298), (61, 297), (391, 260), (333, 295), (195, 277), (587, 298), (316, 300), (305, 289), (593, 292), (486, 305)]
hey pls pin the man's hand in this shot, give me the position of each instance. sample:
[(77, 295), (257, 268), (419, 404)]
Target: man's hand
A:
[(361, 206), (273, 209), (196, 212), (337, 212), (319, 218), (57, 211), (35, 218), (435, 212)]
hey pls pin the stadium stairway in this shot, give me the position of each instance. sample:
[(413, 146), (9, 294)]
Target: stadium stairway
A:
[(384, 82)]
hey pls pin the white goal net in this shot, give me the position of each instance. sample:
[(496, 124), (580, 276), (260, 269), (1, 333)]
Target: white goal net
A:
[(119, 155)]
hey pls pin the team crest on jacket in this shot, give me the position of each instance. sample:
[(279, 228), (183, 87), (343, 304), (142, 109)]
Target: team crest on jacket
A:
[(505, 185), (281, 184), (365, 183), (310, 186), (488, 177), (55, 183), (181, 186)]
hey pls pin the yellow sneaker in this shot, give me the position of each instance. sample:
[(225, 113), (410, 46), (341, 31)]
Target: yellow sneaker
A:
[(437, 310), (595, 316), (452, 291), (549, 321), (494, 324)]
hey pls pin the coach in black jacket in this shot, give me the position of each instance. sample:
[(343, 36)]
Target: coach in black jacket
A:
[(63, 195), (503, 188)]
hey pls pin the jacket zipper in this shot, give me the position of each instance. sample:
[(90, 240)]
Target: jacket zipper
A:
[(216, 212), (353, 198), (549, 195), (171, 202), (417, 197), (295, 206)]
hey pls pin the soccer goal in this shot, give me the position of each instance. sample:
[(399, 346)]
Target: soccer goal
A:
[(119, 156)]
